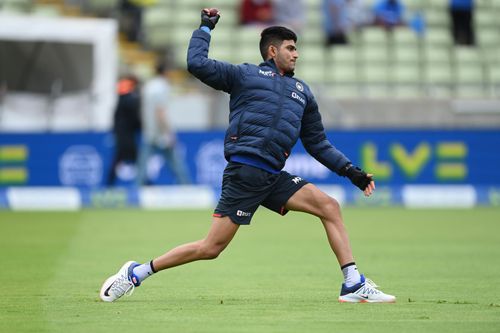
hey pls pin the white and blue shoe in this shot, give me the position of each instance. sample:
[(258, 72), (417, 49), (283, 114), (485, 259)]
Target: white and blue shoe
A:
[(364, 292), (122, 283)]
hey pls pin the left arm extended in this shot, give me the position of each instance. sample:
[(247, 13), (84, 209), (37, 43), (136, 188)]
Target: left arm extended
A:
[(315, 142), (312, 135)]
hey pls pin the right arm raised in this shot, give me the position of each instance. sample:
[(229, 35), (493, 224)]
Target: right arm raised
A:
[(217, 74)]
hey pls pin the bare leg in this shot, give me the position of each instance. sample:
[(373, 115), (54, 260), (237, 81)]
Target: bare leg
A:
[(310, 199), (219, 236)]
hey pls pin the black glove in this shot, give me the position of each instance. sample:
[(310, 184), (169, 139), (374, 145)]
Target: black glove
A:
[(209, 21), (357, 176)]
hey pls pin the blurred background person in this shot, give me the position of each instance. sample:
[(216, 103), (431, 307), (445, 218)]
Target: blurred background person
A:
[(131, 13), (462, 21), (131, 19), (290, 13), (335, 22), (256, 12), (158, 133), (389, 13), (126, 126), (358, 14)]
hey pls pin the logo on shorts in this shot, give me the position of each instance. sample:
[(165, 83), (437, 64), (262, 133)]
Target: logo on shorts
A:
[(297, 180), (242, 213)]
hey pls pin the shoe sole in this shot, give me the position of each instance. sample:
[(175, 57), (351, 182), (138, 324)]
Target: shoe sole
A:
[(364, 301)]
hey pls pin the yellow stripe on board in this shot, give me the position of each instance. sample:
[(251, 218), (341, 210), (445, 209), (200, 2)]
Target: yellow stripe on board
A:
[(451, 150), (451, 171), (14, 153), (13, 175)]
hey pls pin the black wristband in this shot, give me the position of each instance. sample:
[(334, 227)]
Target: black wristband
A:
[(343, 171), (358, 177)]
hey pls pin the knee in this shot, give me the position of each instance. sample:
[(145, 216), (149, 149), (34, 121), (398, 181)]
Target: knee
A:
[(333, 204), (210, 251), (330, 208)]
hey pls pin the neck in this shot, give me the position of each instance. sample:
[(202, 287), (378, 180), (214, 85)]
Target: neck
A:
[(280, 71)]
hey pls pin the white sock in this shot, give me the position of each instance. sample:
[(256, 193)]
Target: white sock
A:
[(143, 271), (351, 274)]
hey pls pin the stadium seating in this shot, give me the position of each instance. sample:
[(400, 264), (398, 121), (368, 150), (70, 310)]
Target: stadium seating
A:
[(377, 61), (376, 64), (15, 6)]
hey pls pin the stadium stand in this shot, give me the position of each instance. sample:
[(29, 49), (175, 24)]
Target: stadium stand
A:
[(392, 87), (429, 67), (376, 65), (366, 62)]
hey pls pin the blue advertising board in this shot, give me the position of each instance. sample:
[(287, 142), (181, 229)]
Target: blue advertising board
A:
[(395, 157)]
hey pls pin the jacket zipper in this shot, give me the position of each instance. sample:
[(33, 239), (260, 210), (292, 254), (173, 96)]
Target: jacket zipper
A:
[(279, 112)]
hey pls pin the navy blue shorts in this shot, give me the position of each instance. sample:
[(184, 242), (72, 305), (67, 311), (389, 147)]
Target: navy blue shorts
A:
[(245, 188)]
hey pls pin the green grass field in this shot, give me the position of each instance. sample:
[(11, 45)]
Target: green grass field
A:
[(278, 275)]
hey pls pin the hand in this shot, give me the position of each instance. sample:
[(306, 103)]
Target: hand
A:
[(371, 186), (361, 179), (209, 17)]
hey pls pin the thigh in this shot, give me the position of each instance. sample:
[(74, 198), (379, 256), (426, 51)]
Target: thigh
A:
[(221, 232), (309, 199), (286, 186), (244, 188)]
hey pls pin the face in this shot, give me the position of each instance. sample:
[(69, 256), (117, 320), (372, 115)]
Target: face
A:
[(285, 56)]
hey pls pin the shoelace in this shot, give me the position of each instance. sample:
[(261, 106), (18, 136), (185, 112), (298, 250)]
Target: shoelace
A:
[(371, 287), (122, 286), (371, 283)]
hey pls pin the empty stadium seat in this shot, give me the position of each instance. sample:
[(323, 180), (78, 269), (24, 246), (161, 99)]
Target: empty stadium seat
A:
[(375, 74), (439, 18), (436, 54), (485, 18), (15, 6), (343, 74), (408, 54), (404, 36), (438, 36), (343, 55), (438, 77), (405, 74), (399, 60), (343, 91)]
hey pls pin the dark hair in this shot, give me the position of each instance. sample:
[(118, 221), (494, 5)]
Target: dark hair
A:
[(274, 36), (133, 78), (161, 67)]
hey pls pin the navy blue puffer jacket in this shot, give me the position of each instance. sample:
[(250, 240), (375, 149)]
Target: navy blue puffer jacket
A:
[(268, 112)]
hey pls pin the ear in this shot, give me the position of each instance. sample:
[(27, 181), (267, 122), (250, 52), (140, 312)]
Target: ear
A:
[(272, 51)]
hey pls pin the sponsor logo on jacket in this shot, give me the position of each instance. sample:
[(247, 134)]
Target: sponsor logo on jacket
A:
[(299, 86), (298, 97), (267, 73)]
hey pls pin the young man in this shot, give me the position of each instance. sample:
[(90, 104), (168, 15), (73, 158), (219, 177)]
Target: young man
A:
[(269, 111), (158, 133), (126, 125)]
